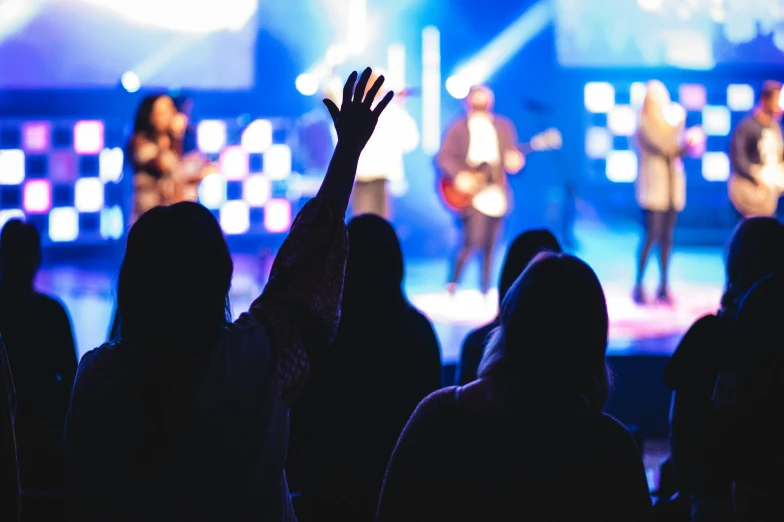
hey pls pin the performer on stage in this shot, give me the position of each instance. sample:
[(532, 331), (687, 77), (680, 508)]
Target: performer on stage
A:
[(480, 138), (162, 175), (756, 154), (381, 162), (661, 184)]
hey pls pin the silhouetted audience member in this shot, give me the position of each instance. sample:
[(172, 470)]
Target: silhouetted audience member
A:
[(756, 249), (37, 333), (185, 416), (384, 361), (750, 402), (528, 440), (9, 481), (520, 252)]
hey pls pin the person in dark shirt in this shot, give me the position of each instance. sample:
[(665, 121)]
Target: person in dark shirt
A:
[(360, 393), (755, 250), (522, 250), (756, 143), (37, 333), (9, 472)]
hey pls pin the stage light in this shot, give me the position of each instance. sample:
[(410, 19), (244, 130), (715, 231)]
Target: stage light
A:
[(356, 38), (650, 5), (88, 194), (715, 166), (12, 166), (36, 136), (621, 166), (637, 93), (431, 90), (37, 198), (740, 97), (235, 217), (692, 96), (716, 121), (88, 137), (234, 163), (277, 215), (598, 142), (277, 162), (112, 224), (110, 165), (212, 191), (257, 136), (622, 120), (63, 224), (211, 136), (256, 190), (130, 81), (599, 97), (307, 84), (9, 214), (457, 87)]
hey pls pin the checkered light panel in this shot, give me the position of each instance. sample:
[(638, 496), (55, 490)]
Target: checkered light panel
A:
[(611, 118)]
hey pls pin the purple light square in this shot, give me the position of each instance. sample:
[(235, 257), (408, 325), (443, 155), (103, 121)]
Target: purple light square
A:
[(36, 136)]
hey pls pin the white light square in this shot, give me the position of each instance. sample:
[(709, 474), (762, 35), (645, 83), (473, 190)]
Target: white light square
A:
[(112, 224), (599, 97), (598, 142), (277, 162), (63, 224), (256, 190), (716, 120), (9, 214), (234, 163), (277, 215), (257, 137), (110, 165), (88, 137), (212, 191), (621, 166), (715, 166), (12, 166), (622, 120), (37, 197), (637, 93), (740, 97), (88, 195), (235, 217), (211, 136)]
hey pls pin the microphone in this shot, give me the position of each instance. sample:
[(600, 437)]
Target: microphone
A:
[(535, 106)]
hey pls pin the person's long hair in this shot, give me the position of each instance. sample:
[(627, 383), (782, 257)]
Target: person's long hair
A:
[(141, 122), (172, 305), (755, 250), (657, 97), (521, 251), (552, 339)]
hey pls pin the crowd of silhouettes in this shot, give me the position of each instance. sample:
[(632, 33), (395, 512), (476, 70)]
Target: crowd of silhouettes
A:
[(324, 401)]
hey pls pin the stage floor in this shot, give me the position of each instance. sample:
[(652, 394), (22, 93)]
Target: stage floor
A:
[(696, 281)]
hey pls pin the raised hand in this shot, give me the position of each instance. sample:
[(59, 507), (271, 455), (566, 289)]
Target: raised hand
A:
[(356, 120)]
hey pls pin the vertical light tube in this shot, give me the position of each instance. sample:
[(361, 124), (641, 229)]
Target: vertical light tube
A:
[(431, 89)]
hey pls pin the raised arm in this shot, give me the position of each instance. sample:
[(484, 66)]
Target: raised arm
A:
[(301, 303)]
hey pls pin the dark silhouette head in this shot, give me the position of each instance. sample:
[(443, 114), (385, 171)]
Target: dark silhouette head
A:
[(755, 250), (154, 115), (20, 255), (374, 268), (552, 337), (175, 278), (521, 251)]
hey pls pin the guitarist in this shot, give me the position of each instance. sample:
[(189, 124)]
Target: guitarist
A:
[(480, 138), (756, 144)]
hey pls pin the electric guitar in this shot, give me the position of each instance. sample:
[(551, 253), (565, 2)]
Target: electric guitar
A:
[(482, 193), (757, 199)]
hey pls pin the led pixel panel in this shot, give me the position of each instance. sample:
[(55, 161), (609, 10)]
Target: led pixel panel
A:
[(598, 142), (37, 197), (277, 162), (715, 166), (693, 97), (621, 166), (8, 214), (257, 137), (234, 163), (235, 217), (89, 195), (256, 190), (277, 215), (63, 224), (112, 222), (212, 191), (622, 120), (599, 97), (716, 121), (36, 137), (12, 167), (211, 136), (110, 165), (88, 137), (740, 97)]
